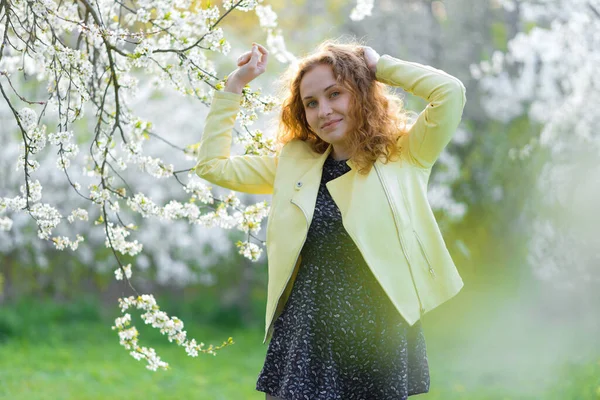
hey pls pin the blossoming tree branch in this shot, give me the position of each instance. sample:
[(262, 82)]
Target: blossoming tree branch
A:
[(89, 54)]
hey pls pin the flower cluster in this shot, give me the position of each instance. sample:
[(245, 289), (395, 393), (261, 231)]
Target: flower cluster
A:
[(68, 150), (266, 16), (119, 272), (17, 203), (99, 196), (35, 191), (252, 217), (62, 242), (171, 326), (243, 5), (175, 210), (28, 118), (256, 143), (199, 190), (249, 250), (115, 239), (34, 140), (363, 9), (5, 223), (47, 218), (78, 213)]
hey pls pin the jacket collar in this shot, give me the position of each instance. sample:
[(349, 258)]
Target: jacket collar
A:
[(319, 160), (321, 157)]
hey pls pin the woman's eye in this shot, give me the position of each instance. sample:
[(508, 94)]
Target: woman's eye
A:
[(309, 104)]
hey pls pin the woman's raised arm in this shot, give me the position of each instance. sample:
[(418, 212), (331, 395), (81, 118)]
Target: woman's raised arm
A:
[(445, 94), (244, 173)]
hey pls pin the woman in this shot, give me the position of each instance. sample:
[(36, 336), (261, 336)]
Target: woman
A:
[(355, 254)]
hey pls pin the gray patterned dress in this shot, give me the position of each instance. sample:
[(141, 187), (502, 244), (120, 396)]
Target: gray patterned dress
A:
[(339, 336)]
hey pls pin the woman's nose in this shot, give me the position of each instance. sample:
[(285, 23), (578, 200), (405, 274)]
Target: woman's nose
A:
[(324, 109)]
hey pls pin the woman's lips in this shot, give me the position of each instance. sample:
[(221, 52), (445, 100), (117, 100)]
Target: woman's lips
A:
[(332, 124)]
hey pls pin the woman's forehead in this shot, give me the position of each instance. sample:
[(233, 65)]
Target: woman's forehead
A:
[(317, 80)]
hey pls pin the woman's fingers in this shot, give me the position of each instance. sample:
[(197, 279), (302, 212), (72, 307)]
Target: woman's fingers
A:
[(246, 56), (262, 55), (255, 55), (265, 55), (251, 64), (261, 48)]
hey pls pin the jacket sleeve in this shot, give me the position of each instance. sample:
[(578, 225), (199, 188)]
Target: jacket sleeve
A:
[(243, 173), (445, 94)]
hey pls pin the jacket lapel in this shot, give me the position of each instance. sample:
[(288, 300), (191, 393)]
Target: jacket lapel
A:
[(306, 186), (342, 191)]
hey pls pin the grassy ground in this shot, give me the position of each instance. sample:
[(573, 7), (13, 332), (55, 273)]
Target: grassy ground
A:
[(86, 362), (511, 355)]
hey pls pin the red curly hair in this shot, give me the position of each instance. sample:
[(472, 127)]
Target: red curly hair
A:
[(379, 117)]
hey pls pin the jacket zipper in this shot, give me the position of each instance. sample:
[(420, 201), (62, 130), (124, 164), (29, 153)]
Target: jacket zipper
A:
[(296, 260), (399, 235), (431, 271)]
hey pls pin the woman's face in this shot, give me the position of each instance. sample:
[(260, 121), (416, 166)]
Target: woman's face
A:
[(326, 104)]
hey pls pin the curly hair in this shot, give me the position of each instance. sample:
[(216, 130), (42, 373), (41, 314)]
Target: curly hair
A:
[(379, 117)]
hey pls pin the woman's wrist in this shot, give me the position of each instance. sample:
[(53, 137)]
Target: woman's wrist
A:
[(233, 87)]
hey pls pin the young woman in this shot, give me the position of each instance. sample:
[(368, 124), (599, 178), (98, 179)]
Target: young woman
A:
[(355, 254)]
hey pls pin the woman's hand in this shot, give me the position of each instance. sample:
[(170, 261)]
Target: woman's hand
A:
[(250, 65), (371, 57)]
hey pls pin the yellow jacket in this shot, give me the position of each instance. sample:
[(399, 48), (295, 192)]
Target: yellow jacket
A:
[(386, 212)]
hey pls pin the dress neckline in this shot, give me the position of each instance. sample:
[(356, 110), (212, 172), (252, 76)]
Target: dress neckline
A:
[(329, 157)]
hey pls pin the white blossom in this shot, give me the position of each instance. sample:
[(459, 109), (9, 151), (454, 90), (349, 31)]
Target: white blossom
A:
[(6, 223), (276, 45), (123, 321), (199, 191), (58, 138), (35, 191), (252, 216), (170, 326), (249, 250), (362, 9), (116, 239), (143, 205), (231, 200), (78, 213), (119, 272), (47, 218), (266, 16), (28, 118), (62, 242)]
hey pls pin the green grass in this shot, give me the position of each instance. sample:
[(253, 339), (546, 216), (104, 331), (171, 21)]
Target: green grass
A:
[(87, 362), (496, 350)]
